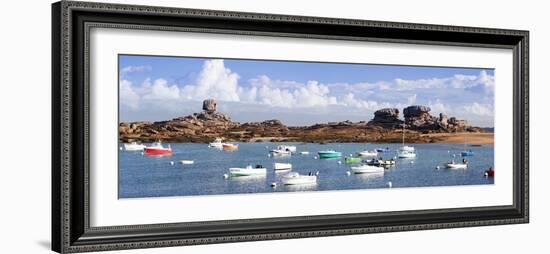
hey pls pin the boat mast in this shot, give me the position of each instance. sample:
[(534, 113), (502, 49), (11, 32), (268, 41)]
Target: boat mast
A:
[(403, 138)]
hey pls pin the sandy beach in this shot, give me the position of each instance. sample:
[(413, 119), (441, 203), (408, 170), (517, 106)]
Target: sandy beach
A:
[(460, 138)]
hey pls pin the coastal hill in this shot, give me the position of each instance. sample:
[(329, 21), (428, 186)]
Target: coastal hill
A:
[(386, 126)]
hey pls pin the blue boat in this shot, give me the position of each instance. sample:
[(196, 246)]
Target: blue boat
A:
[(467, 153)]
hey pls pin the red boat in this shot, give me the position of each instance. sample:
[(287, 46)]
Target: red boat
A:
[(157, 149), (490, 172)]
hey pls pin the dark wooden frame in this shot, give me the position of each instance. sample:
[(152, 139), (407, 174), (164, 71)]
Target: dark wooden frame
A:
[(71, 22)]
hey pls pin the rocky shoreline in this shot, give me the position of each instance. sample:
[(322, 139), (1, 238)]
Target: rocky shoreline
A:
[(385, 127)]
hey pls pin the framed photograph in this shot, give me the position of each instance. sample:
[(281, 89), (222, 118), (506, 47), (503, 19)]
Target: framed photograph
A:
[(182, 126)]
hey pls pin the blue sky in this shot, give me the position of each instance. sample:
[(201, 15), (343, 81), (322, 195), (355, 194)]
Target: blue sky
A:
[(298, 93)]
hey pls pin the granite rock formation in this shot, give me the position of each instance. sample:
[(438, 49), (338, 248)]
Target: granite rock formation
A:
[(209, 105), (386, 118)]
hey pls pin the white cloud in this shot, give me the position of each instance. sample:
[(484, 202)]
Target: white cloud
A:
[(214, 81), (128, 97), (160, 90), (479, 109), (131, 69)]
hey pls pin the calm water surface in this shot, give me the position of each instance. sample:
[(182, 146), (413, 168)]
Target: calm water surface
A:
[(147, 176)]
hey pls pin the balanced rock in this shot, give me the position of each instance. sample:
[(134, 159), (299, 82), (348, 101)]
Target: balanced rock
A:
[(386, 117), (418, 117), (209, 105)]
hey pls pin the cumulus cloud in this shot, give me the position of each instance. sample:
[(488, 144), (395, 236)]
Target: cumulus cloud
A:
[(131, 69), (216, 80)]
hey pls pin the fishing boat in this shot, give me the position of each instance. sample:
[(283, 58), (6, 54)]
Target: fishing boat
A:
[(134, 146), (281, 150), (382, 150), (187, 162), (368, 153), (291, 149), (295, 178), (378, 162), (282, 166), (366, 169), (217, 143), (406, 151), (259, 170), (329, 154), (229, 146), (454, 165), (352, 160), (157, 149)]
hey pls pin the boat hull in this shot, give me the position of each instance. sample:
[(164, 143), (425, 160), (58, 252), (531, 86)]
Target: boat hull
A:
[(282, 166), (133, 147), (368, 154), (236, 172), (367, 169), (299, 180), (457, 166), (352, 160), (157, 151), (323, 155)]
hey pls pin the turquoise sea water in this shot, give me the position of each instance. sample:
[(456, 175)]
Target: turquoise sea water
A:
[(147, 176)]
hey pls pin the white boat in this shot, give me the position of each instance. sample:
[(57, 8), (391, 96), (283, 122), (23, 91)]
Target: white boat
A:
[(134, 146), (248, 171), (294, 178), (187, 162), (406, 151), (291, 149), (282, 166), (368, 153), (304, 152), (454, 165), (217, 143), (366, 169), (281, 151)]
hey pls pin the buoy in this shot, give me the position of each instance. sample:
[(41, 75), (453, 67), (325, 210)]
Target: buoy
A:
[(225, 176), (314, 157), (274, 184), (266, 147), (268, 155), (390, 184), (436, 167), (448, 151), (348, 173), (351, 154), (120, 148), (412, 162), (172, 163), (454, 155), (486, 174), (394, 157), (141, 153)]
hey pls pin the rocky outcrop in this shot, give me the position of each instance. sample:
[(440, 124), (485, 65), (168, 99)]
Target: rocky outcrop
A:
[(209, 124), (209, 105), (386, 118)]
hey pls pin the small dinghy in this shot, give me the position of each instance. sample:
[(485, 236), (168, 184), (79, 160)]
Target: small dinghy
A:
[(280, 152), (187, 162), (366, 169), (352, 160), (282, 166), (134, 146), (329, 154), (368, 153), (382, 150), (454, 165), (294, 178), (490, 172), (304, 152), (259, 170), (379, 162)]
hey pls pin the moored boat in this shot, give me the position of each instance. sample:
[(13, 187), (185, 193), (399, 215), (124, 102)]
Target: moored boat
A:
[(490, 172), (352, 160), (454, 165), (282, 166), (187, 162), (367, 153), (406, 151), (134, 146), (382, 150), (329, 154), (379, 162), (217, 143), (157, 149), (259, 170), (304, 152), (291, 149), (365, 169), (295, 178), (280, 150), (229, 146)]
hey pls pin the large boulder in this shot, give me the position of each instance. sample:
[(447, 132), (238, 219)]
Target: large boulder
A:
[(418, 117), (416, 111), (386, 117), (209, 105)]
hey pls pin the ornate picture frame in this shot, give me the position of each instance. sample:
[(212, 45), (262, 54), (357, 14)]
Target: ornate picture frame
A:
[(71, 24)]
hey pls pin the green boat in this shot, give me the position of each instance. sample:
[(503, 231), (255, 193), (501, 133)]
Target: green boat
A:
[(352, 160), (329, 154)]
